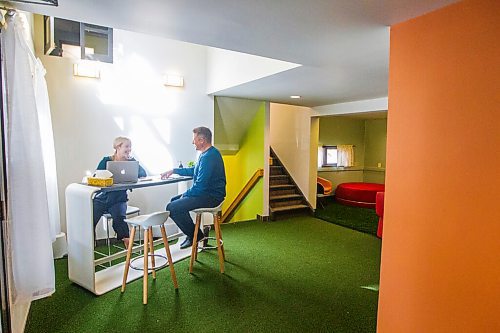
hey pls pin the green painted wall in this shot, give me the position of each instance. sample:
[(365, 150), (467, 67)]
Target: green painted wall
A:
[(344, 131), (375, 142), (241, 167), (369, 138), (375, 148)]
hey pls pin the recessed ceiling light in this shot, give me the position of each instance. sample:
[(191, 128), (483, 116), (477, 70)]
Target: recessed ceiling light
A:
[(295, 96)]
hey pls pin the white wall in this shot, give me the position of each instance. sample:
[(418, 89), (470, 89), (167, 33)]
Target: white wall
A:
[(367, 105), (227, 68), (129, 100), (267, 154), (313, 161), (290, 137)]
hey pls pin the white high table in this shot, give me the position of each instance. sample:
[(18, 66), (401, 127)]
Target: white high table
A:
[(80, 229)]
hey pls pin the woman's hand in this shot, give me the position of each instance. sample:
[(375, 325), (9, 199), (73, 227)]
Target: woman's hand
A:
[(167, 174)]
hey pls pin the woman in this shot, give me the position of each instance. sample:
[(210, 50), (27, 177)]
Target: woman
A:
[(115, 202)]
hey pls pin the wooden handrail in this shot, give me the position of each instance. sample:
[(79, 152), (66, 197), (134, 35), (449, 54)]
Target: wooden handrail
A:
[(243, 193)]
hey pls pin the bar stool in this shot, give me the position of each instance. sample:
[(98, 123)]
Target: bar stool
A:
[(147, 222), (107, 222), (131, 210), (216, 212)]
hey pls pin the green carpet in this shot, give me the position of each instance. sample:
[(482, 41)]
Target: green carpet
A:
[(357, 218), (296, 275)]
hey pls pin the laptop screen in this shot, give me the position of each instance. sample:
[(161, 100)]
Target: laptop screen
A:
[(123, 171)]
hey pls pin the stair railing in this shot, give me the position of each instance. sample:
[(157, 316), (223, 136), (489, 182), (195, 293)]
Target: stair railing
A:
[(259, 173)]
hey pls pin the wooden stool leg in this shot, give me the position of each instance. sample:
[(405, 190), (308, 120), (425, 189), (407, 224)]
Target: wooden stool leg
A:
[(198, 224), (194, 247), (219, 246), (127, 262), (145, 269), (169, 256), (152, 250), (218, 218)]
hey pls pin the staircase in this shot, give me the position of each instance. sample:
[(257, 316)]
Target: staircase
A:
[(285, 198)]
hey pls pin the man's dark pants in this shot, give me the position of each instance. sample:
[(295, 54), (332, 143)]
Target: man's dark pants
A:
[(179, 208)]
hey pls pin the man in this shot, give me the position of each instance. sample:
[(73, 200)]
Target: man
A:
[(209, 185)]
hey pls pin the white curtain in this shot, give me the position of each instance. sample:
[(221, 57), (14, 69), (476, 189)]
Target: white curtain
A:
[(345, 155), (47, 142), (33, 214)]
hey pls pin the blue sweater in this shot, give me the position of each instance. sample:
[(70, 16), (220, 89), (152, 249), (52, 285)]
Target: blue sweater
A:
[(209, 176), (114, 197)]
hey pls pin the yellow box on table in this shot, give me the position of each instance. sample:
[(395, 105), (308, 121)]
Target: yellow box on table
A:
[(101, 182)]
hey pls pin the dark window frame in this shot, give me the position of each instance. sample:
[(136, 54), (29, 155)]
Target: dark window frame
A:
[(54, 38), (325, 154)]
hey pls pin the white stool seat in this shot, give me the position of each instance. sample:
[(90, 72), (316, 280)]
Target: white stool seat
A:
[(130, 210), (216, 212), (213, 210), (108, 218), (147, 222)]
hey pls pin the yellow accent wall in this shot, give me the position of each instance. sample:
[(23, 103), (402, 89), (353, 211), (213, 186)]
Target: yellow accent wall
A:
[(240, 168)]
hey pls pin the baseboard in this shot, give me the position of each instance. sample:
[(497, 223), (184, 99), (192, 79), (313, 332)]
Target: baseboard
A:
[(262, 218)]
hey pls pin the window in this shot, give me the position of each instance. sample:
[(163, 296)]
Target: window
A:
[(71, 39), (96, 42), (329, 156)]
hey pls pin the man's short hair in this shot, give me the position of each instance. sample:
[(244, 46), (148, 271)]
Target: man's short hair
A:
[(203, 132)]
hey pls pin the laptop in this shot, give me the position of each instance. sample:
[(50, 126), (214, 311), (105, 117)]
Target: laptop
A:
[(124, 172)]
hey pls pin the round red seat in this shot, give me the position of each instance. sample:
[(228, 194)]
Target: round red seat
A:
[(358, 194)]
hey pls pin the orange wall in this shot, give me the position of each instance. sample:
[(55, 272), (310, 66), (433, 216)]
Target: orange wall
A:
[(440, 269)]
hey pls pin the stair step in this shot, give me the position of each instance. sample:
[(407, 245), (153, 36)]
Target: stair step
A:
[(285, 208), (279, 181), (276, 170), (289, 202), (284, 196), (278, 176), (283, 192), (281, 186)]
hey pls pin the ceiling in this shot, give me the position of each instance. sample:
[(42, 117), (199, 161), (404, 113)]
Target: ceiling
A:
[(342, 45), (363, 115)]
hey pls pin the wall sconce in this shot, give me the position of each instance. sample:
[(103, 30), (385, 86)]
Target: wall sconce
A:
[(173, 80), (86, 70)]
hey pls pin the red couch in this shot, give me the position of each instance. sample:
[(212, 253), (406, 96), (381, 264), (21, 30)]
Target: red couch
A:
[(358, 194), (379, 209)]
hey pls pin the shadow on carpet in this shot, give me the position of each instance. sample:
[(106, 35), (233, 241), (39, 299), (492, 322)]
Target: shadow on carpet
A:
[(356, 218)]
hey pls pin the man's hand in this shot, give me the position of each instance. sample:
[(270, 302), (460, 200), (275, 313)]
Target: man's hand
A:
[(167, 174)]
